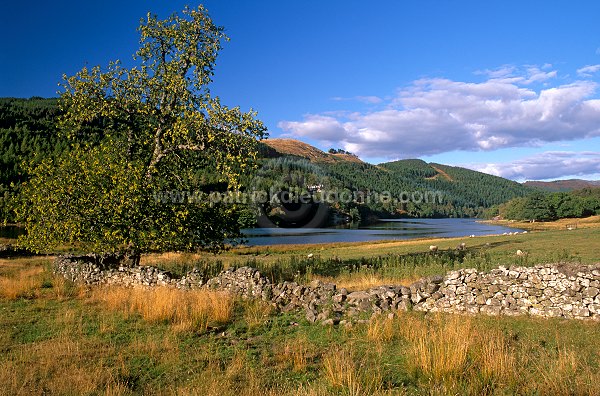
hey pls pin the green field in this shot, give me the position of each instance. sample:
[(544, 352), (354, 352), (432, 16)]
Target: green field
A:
[(60, 338)]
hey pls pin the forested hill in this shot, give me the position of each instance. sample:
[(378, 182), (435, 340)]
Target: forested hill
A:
[(463, 192), (563, 185), (28, 132)]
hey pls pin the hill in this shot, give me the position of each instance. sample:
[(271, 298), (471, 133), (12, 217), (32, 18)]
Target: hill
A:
[(279, 147), (562, 185), (415, 188)]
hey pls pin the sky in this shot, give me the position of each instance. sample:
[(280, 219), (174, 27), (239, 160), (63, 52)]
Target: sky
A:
[(510, 88)]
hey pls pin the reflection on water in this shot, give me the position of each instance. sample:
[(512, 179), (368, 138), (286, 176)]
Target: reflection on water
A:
[(386, 229)]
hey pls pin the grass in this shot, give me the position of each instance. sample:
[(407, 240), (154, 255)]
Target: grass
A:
[(561, 224), (194, 310), (60, 338)]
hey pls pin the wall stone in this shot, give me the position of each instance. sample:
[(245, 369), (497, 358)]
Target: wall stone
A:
[(551, 290)]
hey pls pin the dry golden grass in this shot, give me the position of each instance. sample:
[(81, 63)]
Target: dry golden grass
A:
[(26, 283), (561, 224), (256, 312), (382, 330), (564, 373), (160, 259), (351, 373), (185, 310), (457, 354), (301, 149), (439, 349), (57, 366), (496, 359), (90, 347), (296, 354), (361, 281)]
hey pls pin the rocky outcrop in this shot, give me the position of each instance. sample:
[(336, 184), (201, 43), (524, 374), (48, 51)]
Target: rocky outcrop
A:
[(553, 290)]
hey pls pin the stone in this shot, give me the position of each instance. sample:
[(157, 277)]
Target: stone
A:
[(490, 310), (453, 275), (580, 311), (358, 296), (545, 290), (338, 298), (311, 315), (432, 288)]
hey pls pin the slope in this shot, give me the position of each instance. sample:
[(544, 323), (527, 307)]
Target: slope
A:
[(562, 185)]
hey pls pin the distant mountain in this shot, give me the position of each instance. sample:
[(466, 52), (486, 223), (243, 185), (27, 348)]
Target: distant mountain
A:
[(562, 185)]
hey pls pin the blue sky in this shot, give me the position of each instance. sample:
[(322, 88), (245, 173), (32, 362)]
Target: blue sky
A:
[(506, 87)]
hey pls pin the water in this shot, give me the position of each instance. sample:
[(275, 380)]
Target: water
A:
[(387, 229)]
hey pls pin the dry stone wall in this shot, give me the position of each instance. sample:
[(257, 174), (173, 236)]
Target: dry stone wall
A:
[(552, 290)]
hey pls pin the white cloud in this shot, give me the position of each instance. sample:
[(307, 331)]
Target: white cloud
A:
[(363, 99), (320, 127), (588, 71), (511, 107), (546, 165)]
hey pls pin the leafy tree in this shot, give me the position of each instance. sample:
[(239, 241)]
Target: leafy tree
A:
[(140, 132), (538, 207), (551, 206)]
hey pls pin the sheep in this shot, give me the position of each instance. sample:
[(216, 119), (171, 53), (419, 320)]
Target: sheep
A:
[(521, 253), (462, 246), (433, 248)]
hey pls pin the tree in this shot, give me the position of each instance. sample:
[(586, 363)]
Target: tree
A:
[(139, 136), (537, 207)]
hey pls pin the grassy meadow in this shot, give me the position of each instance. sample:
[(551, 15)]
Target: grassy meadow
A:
[(60, 338)]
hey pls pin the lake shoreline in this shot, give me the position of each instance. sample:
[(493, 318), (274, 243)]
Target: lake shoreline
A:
[(384, 230)]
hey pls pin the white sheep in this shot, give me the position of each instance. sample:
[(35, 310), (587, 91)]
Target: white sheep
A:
[(462, 246), (521, 253), (433, 248)]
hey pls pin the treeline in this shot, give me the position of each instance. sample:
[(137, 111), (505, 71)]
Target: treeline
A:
[(553, 206), (340, 151)]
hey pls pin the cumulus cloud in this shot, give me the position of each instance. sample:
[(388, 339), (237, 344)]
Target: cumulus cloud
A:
[(321, 127), (547, 165), (588, 71), (510, 107)]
